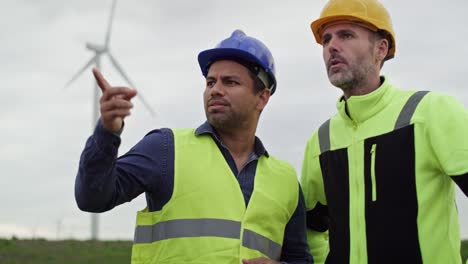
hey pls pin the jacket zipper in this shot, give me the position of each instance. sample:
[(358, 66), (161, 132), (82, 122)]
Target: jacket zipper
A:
[(374, 184)]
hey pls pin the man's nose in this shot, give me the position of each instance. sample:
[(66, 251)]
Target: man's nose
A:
[(217, 89), (332, 45)]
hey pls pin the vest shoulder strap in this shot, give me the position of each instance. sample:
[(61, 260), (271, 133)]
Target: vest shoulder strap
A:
[(324, 136), (409, 108), (403, 120)]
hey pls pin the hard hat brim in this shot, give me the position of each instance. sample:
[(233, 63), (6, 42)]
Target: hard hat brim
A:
[(208, 57), (319, 25)]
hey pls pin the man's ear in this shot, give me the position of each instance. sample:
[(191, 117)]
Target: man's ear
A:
[(263, 96), (382, 48)]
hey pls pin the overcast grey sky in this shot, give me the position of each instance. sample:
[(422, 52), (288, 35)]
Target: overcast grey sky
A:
[(44, 127)]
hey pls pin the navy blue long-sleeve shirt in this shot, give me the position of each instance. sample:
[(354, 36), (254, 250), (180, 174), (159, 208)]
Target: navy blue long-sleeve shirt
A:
[(105, 181)]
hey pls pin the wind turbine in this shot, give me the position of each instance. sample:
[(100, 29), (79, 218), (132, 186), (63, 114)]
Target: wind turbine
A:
[(100, 50)]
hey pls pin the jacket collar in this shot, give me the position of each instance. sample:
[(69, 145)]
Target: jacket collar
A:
[(358, 109)]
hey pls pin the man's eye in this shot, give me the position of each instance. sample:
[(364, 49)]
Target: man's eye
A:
[(347, 36), (210, 83), (231, 83), (325, 40)]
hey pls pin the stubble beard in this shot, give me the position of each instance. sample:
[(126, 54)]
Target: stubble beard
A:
[(352, 79), (225, 120)]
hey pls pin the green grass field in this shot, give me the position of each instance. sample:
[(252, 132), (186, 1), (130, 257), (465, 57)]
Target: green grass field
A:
[(39, 251)]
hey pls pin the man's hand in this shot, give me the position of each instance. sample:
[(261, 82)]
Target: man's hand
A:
[(261, 260), (115, 103)]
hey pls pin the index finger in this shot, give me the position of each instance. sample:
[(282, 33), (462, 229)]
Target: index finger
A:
[(101, 81), (124, 93)]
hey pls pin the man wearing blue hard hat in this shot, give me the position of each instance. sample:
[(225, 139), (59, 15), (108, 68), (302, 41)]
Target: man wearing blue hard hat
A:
[(214, 194)]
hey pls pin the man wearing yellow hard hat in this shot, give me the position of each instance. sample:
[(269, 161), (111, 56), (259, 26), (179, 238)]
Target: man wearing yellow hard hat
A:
[(379, 176)]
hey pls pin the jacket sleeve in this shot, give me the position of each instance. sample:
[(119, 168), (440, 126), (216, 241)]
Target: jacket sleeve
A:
[(447, 130), (315, 202)]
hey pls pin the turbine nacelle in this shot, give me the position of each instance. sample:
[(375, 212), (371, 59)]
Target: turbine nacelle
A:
[(96, 47), (100, 50)]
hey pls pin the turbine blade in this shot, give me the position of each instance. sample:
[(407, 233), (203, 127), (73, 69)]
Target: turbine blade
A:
[(145, 104), (124, 75), (109, 26), (91, 61)]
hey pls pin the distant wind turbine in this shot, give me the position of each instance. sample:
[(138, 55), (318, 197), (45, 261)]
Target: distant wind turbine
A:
[(96, 60)]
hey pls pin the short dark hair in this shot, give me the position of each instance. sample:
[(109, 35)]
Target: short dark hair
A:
[(258, 84), (253, 70), (381, 34)]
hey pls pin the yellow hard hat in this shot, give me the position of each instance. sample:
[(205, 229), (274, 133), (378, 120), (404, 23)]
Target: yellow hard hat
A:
[(367, 13)]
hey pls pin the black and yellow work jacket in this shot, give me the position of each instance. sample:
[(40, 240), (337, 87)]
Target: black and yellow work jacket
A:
[(381, 174)]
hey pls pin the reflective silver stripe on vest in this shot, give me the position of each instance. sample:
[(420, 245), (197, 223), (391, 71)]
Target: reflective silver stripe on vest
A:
[(263, 244), (187, 228), (408, 110), (206, 227), (324, 136)]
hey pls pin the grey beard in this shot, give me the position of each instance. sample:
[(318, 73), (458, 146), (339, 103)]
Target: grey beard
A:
[(353, 81)]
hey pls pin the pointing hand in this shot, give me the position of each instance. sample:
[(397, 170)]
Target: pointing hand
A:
[(115, 103)]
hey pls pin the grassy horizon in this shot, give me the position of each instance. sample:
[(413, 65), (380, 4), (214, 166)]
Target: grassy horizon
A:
[(38, 251)]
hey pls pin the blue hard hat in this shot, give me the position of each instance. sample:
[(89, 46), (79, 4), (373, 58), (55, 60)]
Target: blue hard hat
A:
[(240, 47)]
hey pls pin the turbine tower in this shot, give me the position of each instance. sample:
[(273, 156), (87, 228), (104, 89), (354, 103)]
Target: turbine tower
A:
[(100, 50)]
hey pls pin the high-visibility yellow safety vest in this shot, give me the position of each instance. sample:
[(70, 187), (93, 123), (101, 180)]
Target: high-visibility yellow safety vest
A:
[(206, 219)]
